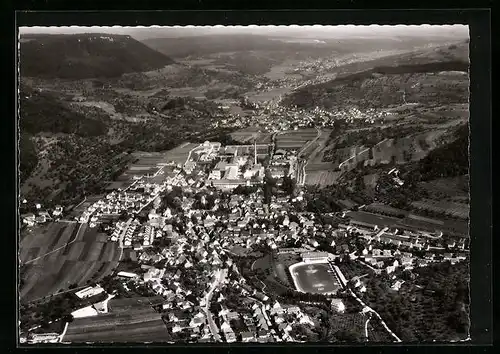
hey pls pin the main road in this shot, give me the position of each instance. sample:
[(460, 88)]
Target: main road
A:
[(219, 278), (301, 175)]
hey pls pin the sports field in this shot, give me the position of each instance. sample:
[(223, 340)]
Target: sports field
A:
[(56, 255), (317, 278)]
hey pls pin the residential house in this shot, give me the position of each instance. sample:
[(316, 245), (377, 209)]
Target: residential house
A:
[(247, 337)]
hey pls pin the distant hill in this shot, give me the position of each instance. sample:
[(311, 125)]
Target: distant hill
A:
[(377, 83), (81, 56), (181, 46)]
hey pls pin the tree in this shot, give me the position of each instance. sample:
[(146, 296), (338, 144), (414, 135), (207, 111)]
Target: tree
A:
[(288, 185)]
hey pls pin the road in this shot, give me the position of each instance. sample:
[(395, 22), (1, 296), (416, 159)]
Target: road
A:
[(60, 339), (59, 248), (366, 308), (190, 152), (361, 152), (369, 309), (301, 179), (219, 278), (366, 324)]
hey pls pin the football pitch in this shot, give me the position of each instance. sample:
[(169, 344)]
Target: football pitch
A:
[(316, 278)]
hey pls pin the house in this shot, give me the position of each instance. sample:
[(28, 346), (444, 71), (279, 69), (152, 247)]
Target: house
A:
[(461, 256), (264, 333), (376, 252), (29, 219), (338, 305), (247, 337)]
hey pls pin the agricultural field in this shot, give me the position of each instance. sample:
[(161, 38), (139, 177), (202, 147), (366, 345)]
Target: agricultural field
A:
[(295, 139), (249, 134), (129, 321), (322, 178), (180, 153), (455, 188), (450, 226), (62, 254), (457, 210)]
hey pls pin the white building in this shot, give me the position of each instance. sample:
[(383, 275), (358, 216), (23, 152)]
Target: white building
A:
[(89, 292)]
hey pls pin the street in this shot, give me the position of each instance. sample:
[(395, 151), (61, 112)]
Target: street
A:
[(219, 278), (302, 179)]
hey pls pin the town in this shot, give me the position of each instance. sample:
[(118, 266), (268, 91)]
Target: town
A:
[(185, 231)]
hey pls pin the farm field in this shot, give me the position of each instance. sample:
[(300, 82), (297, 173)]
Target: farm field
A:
[(248, 135), (132, 321), (450, 226), (315, 278), (322, 178), (295, 139), (452, 187), (458, 210), (412, 221), (73, 255)]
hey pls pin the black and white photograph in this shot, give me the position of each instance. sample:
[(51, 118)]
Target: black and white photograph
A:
[(243, 184)]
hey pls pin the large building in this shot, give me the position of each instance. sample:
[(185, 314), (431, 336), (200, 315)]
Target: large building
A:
[(314, 257), (229, 183)]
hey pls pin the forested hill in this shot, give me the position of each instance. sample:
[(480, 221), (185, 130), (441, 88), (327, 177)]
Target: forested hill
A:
[(42, 112), (448, 160), (81, 56)]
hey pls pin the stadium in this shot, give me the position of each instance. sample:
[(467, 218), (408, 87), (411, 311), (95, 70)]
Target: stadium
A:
[(314, 275)]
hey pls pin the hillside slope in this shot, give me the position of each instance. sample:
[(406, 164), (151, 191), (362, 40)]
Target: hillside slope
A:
[(81, 56), (42, 112), (431, 76)]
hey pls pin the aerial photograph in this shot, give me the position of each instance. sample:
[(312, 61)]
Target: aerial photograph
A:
[(243, 184)]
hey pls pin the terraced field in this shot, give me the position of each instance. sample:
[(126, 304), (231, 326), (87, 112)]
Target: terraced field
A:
[(128, 320), (458, 210), (248, 135), (61, 254), (295, 139)]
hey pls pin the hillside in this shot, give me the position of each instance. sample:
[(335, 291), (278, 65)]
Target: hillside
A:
[(80, 56), (431, 76), (208, 44), (448, 160), (42, 112)]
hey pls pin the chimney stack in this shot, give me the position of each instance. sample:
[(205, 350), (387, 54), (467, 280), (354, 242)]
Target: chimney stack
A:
[(255, 151)]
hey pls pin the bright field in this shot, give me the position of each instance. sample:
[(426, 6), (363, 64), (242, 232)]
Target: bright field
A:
[(59, 254), (315, 278)]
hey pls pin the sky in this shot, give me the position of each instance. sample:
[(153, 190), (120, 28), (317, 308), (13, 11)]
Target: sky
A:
[(316, 31)]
